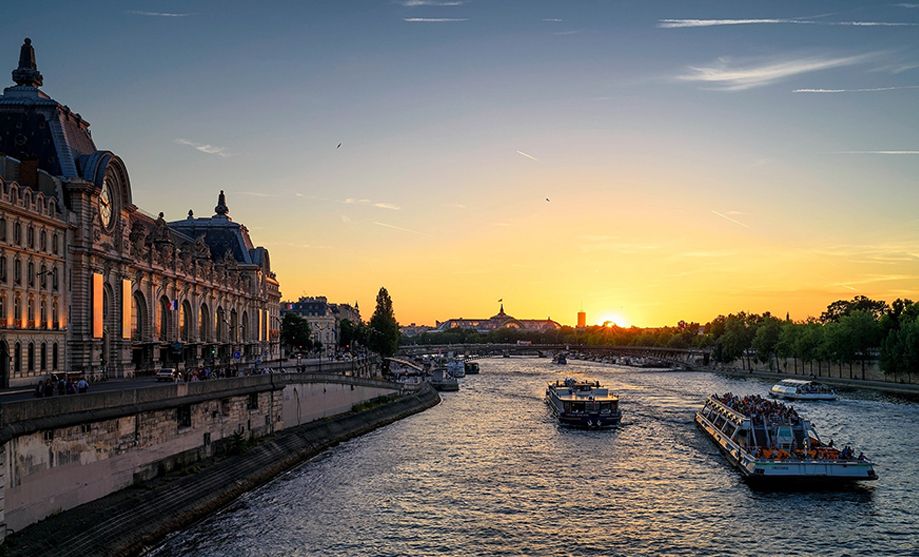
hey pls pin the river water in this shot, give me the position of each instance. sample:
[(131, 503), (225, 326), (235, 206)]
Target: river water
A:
[(488, 472)]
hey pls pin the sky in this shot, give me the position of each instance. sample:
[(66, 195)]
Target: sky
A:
[(644, 161)]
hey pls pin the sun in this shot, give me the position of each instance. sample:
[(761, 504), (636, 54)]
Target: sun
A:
[(617, 319)]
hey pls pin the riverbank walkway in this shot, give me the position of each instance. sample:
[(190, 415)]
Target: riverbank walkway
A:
[(136, 518)]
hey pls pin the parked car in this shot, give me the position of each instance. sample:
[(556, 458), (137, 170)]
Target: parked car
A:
[(167, 374)]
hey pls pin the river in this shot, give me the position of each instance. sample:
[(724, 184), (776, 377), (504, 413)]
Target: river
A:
[(488, 472)]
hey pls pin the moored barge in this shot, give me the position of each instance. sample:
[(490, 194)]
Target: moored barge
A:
[(769, 443)]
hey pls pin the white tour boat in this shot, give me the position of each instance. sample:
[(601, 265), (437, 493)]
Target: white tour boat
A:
[(583, 404), (768, 442), (799, 389)]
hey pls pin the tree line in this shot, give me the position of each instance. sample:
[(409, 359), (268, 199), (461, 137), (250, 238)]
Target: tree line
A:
[(850, 332)]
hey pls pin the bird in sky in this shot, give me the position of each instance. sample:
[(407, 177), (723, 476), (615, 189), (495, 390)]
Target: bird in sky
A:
[(339, 146), (547, 199)]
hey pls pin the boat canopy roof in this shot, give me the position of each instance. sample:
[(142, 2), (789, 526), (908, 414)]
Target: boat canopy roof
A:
[(795, 382)]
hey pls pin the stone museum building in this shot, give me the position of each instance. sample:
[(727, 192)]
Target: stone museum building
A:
[(89, 283)]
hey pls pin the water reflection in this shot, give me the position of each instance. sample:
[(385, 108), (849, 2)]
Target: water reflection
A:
[(489, 472)]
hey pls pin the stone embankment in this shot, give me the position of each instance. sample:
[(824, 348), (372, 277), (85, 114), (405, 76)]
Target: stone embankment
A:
[(136, 518)]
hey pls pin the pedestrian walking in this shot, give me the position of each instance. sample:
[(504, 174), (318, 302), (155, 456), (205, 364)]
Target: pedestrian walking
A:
[(82, 385)]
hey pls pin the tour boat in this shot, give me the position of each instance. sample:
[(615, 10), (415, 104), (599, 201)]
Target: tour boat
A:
[(472, 368), (583, 404), (456, 368), (560, 358), (443, 381), (798, 389), (768, 442)]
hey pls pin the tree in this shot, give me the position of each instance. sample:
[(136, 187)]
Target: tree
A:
[(295, 333), (840, 308), (384, 329), (351, 332), (786, 346), (766, 338)]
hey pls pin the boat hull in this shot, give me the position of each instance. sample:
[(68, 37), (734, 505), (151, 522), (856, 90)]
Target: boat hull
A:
[(807, 472)]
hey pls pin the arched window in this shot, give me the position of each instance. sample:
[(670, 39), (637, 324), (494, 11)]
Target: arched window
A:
[(31, 274), (55, 244), (2, 268), (43, 314), (234, 326), (30, 313), (17, 358), (221, 325), (17, 233), (30, 235), (204, 324), (55, 322), (185, 324), (17, 271), (54, 356), (43, 276), (31, 356), (43, 240), (54, 283), (2, 228), (17, 311), (164, 321), (43, 357), (2, 309), (139, 316)]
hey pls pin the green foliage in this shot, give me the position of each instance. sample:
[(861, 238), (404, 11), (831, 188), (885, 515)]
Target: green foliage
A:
[(384, 329), (766, 338), (295, 333), (840, 308), (351, 333)]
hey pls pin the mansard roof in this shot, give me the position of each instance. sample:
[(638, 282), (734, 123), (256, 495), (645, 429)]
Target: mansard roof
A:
[(33, 126), (223, 236)]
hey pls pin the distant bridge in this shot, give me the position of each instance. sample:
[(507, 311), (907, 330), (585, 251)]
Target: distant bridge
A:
[(679, 357)]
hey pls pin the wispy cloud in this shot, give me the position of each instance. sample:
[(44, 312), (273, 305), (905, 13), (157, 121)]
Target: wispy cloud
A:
[(434, 19), (727, 76), (567, 33), (907, 5), (156, 14), (205, 147), (552, 20), (527, 155), (729, 219), (377, 204), (876, 152), (868, 90), (694, 23), (430, 3), (256, 194), (394, 227), (707, 254)]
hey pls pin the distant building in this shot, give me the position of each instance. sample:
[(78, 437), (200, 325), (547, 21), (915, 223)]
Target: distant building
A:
[(582, 320), (415, 330), (500, 320), (323, 317)]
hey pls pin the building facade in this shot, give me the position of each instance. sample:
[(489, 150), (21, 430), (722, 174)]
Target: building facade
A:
[(500, 320), (115, 290), (324, 318)]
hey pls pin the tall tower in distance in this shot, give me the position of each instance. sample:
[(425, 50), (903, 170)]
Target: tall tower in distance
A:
[(582, 320)]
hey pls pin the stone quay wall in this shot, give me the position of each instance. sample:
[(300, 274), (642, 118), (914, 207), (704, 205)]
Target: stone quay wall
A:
[(58, 453)]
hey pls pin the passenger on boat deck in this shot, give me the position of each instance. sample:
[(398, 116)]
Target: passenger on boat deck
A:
[(756, 406)]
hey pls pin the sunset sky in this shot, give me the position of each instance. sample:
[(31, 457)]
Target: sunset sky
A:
[(653, 161)]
